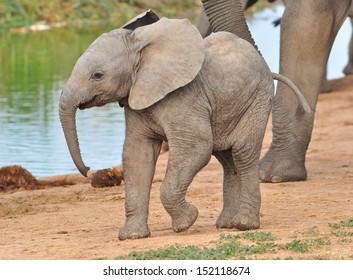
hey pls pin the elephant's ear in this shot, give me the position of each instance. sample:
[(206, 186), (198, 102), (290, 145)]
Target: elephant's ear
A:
[(145, 18), (171, 55)]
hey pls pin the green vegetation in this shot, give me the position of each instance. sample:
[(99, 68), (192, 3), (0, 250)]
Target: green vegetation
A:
[(19, 13), (342, 224), (255, 245), (26, 12), (227, 247), (343, 229)]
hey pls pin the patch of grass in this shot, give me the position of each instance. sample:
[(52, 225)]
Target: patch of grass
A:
[(255, 236), (345, 240), (310, 232), (343, 229), (296, 246), (319, 242), (227, 247), (253, 245), (340, 233), (342, 224), (175, 252)]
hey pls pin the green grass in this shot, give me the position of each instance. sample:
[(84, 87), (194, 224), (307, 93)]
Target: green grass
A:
[(343, 224), (254, 245), (256, 236), (343, 230), (16, 13), (227, 247), (296, 246), (26, 12)]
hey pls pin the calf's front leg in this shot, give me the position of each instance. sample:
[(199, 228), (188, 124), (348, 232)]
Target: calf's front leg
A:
[(188, 154), (139, 162)]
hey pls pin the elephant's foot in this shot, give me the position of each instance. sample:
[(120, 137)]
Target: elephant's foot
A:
[(133, 230), (225, 219), (244, 220), (276, 167), (185, 218)]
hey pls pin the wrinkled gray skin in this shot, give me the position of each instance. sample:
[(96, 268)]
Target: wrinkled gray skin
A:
[(206, 97), (308, 30)]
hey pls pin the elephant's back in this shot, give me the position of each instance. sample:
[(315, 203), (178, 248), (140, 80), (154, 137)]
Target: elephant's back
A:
[(228, 56)]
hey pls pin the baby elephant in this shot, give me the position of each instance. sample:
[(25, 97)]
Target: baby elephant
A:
[(205, 96)]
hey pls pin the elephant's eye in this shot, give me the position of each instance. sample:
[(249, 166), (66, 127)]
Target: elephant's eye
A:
[(97, 75)]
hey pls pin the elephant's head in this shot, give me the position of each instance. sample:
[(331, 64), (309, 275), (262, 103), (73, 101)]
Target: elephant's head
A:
[(136, 65)]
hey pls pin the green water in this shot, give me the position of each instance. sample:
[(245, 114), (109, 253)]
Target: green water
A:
[(34, 68)]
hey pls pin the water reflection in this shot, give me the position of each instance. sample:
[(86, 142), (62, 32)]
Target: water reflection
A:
[(34, 68)]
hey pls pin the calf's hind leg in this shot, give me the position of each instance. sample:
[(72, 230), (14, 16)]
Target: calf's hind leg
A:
[(241, 193), (243, 189), (231, 189), (249, 198)]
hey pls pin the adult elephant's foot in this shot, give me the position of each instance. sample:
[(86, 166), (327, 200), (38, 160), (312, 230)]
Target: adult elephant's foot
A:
[(133, 230), (276, 167), (185, 217)]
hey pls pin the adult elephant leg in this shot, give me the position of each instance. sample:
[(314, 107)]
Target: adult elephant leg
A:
[(348, 69), (325, 84), (308, 29)]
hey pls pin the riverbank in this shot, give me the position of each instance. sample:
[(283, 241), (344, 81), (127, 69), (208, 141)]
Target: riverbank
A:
[(308, 220), (22, 16)]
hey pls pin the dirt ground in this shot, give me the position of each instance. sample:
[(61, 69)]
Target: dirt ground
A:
[(81, 222)]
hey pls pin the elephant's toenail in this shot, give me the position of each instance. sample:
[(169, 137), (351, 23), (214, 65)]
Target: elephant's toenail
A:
[(276, 179)]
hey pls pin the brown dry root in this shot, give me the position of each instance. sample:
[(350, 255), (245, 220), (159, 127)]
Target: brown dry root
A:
[(107, 178), (15, 177)]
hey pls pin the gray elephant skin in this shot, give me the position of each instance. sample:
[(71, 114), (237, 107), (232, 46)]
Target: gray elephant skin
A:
[(205, 96), (308, 30)]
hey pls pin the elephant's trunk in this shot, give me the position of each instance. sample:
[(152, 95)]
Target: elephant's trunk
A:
[(67, 113), (228, 16)]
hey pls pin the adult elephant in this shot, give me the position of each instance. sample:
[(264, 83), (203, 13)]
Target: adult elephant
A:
[(308, 30), (205, 29)]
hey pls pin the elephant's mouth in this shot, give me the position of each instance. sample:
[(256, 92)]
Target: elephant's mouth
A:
[(88, 104)]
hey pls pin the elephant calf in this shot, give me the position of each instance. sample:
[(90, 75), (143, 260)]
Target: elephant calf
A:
[(205, 96)]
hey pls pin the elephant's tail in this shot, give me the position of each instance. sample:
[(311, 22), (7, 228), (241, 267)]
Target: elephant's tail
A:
[(295, 89)]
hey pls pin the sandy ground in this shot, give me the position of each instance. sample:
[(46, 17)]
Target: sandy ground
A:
[(81, 222)]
